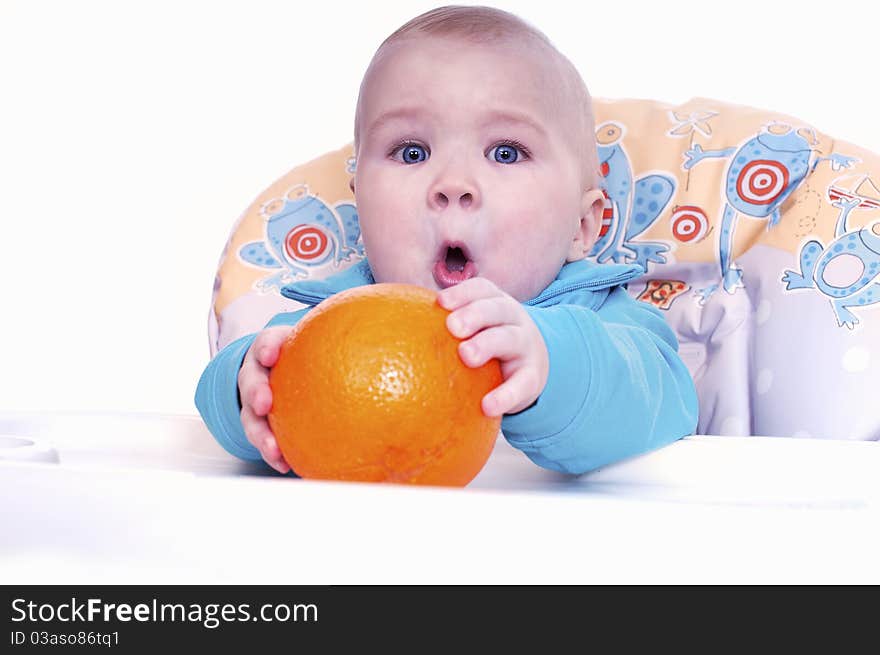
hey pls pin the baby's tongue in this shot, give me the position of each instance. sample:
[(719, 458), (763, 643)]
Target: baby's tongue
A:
[(453, 269), (455, 260)]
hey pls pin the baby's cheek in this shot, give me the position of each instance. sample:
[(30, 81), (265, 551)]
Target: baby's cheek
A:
[(390, 263), (525, 275)]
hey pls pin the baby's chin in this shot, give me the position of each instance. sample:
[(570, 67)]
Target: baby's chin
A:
[(406, 277)]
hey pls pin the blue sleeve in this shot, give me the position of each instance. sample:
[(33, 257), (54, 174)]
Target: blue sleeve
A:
[(217, 393), (616, 387)]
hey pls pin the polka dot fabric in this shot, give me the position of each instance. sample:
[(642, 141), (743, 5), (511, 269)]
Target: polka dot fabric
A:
[(758, 235)]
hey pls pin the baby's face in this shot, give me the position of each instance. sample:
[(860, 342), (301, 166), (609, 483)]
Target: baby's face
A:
[(466, 166)]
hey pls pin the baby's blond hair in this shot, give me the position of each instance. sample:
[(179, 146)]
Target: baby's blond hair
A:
[(476, 24)]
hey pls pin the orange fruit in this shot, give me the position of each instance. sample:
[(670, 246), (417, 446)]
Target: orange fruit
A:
[(369, 387)]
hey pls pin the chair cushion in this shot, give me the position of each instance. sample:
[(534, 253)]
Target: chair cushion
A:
[(759, 237)]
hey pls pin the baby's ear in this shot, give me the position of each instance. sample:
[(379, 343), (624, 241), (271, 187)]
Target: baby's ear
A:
[(592, 206)]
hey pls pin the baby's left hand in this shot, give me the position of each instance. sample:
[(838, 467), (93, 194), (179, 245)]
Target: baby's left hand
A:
[(493, 324)]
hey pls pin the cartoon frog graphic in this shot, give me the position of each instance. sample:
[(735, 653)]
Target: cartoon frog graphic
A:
[(634, 206), (762, 174), (847, 271), (302, 232)]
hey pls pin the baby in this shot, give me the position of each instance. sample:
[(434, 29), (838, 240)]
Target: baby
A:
[(477, 175)]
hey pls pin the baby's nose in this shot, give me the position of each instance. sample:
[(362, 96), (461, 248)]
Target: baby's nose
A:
[(442, 198), (455, 184), (454, 188)]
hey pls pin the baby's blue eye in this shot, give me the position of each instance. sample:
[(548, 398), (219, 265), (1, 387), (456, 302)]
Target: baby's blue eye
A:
[(505, 154), (411, 154)]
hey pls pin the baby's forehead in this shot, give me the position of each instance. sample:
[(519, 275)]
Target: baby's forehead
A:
[(431, 63), (533, 55)]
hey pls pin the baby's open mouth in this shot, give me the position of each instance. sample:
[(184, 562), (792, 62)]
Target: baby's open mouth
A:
[(453, 265), (455, 259)]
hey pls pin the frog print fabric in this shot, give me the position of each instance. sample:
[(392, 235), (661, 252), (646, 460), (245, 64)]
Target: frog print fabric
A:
[(758, 237)]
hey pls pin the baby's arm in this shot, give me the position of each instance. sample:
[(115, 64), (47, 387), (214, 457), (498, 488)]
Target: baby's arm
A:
[(616, 388), (582, 387), (233, 394)]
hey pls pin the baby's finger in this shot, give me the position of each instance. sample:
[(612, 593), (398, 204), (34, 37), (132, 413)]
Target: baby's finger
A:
[(253, 386), (267, 353), (483, 313), (267, 345), (261, 399), (256, 428), (515, 394), (503, 342), (460, 294), (273, 457), (259, 434)]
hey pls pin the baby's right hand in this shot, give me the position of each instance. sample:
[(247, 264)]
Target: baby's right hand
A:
[(256, 395)]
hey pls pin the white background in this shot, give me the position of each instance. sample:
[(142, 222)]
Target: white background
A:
[(133, 134)]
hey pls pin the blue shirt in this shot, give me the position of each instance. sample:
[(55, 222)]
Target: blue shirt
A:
[(616, 385)]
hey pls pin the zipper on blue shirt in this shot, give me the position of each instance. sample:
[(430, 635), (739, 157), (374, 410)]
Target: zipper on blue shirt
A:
[(305, 298), (593, 284)]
